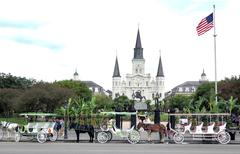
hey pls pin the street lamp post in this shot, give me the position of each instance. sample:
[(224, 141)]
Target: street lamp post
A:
[(157, 110), (117, 116), (65, 120), (133, 116), (169, 124)]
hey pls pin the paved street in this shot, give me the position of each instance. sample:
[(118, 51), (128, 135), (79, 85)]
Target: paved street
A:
[(115, 148)]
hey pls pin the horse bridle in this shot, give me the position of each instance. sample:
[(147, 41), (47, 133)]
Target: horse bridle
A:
[(6, 124)]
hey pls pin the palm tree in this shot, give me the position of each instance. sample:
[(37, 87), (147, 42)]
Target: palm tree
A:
[(231, 104)]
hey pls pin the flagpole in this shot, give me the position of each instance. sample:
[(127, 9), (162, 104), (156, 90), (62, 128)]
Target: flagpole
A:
[(215, 54)]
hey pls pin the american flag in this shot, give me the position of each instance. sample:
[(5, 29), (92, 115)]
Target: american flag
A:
[(205, 25)]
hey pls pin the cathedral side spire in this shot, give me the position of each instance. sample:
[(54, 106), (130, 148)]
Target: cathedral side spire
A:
[(160, 68), (116, 72)]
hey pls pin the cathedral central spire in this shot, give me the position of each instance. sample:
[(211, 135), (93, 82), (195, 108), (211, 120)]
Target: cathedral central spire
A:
[(138, 41), (138, 50)]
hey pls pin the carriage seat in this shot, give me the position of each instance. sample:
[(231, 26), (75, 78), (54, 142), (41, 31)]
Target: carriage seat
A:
[(187, 127), (222, 127), (114, 127), (198, 129), (210, 128)]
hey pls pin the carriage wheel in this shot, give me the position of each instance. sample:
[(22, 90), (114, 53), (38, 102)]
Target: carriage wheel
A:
[(41, 137), (223, 137), (1, 134), (17, 137), (178, 138), (109, 135), (53, 136), (102, 137), (133, 137)]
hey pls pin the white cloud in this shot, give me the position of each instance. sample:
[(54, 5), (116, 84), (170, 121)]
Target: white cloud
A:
[(90, 32)]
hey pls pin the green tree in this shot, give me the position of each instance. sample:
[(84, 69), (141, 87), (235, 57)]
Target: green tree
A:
[(205, 96), (230, 87), (80, 89), (8, 101), (10, 81), (103, 103), (44, 97), (182, 102), (122, 103)]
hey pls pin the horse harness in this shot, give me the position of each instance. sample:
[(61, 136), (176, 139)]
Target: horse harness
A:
[(6, 124)]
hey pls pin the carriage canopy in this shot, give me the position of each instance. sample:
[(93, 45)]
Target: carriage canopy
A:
[(38, 114), (119, 113)]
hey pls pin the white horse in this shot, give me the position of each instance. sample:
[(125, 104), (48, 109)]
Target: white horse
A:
[(7, 128)]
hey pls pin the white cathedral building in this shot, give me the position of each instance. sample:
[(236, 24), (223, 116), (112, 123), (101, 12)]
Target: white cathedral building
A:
[(138, 81)]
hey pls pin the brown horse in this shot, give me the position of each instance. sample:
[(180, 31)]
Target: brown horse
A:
[(149, 128)]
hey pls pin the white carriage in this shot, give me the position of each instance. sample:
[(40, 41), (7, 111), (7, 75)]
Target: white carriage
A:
[(110, 129), (211, 131), (39, 130)]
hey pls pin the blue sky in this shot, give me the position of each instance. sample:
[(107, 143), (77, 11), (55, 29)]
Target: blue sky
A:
[(19, 24), (49, 39), (190, 5)]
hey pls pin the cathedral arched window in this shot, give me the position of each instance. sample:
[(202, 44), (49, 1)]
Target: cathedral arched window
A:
[(193, 89), (180, 89), (96, 90)]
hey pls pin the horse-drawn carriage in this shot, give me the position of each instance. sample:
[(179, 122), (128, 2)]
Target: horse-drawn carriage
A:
[(212, 127), (38, 128), (109, 129)]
